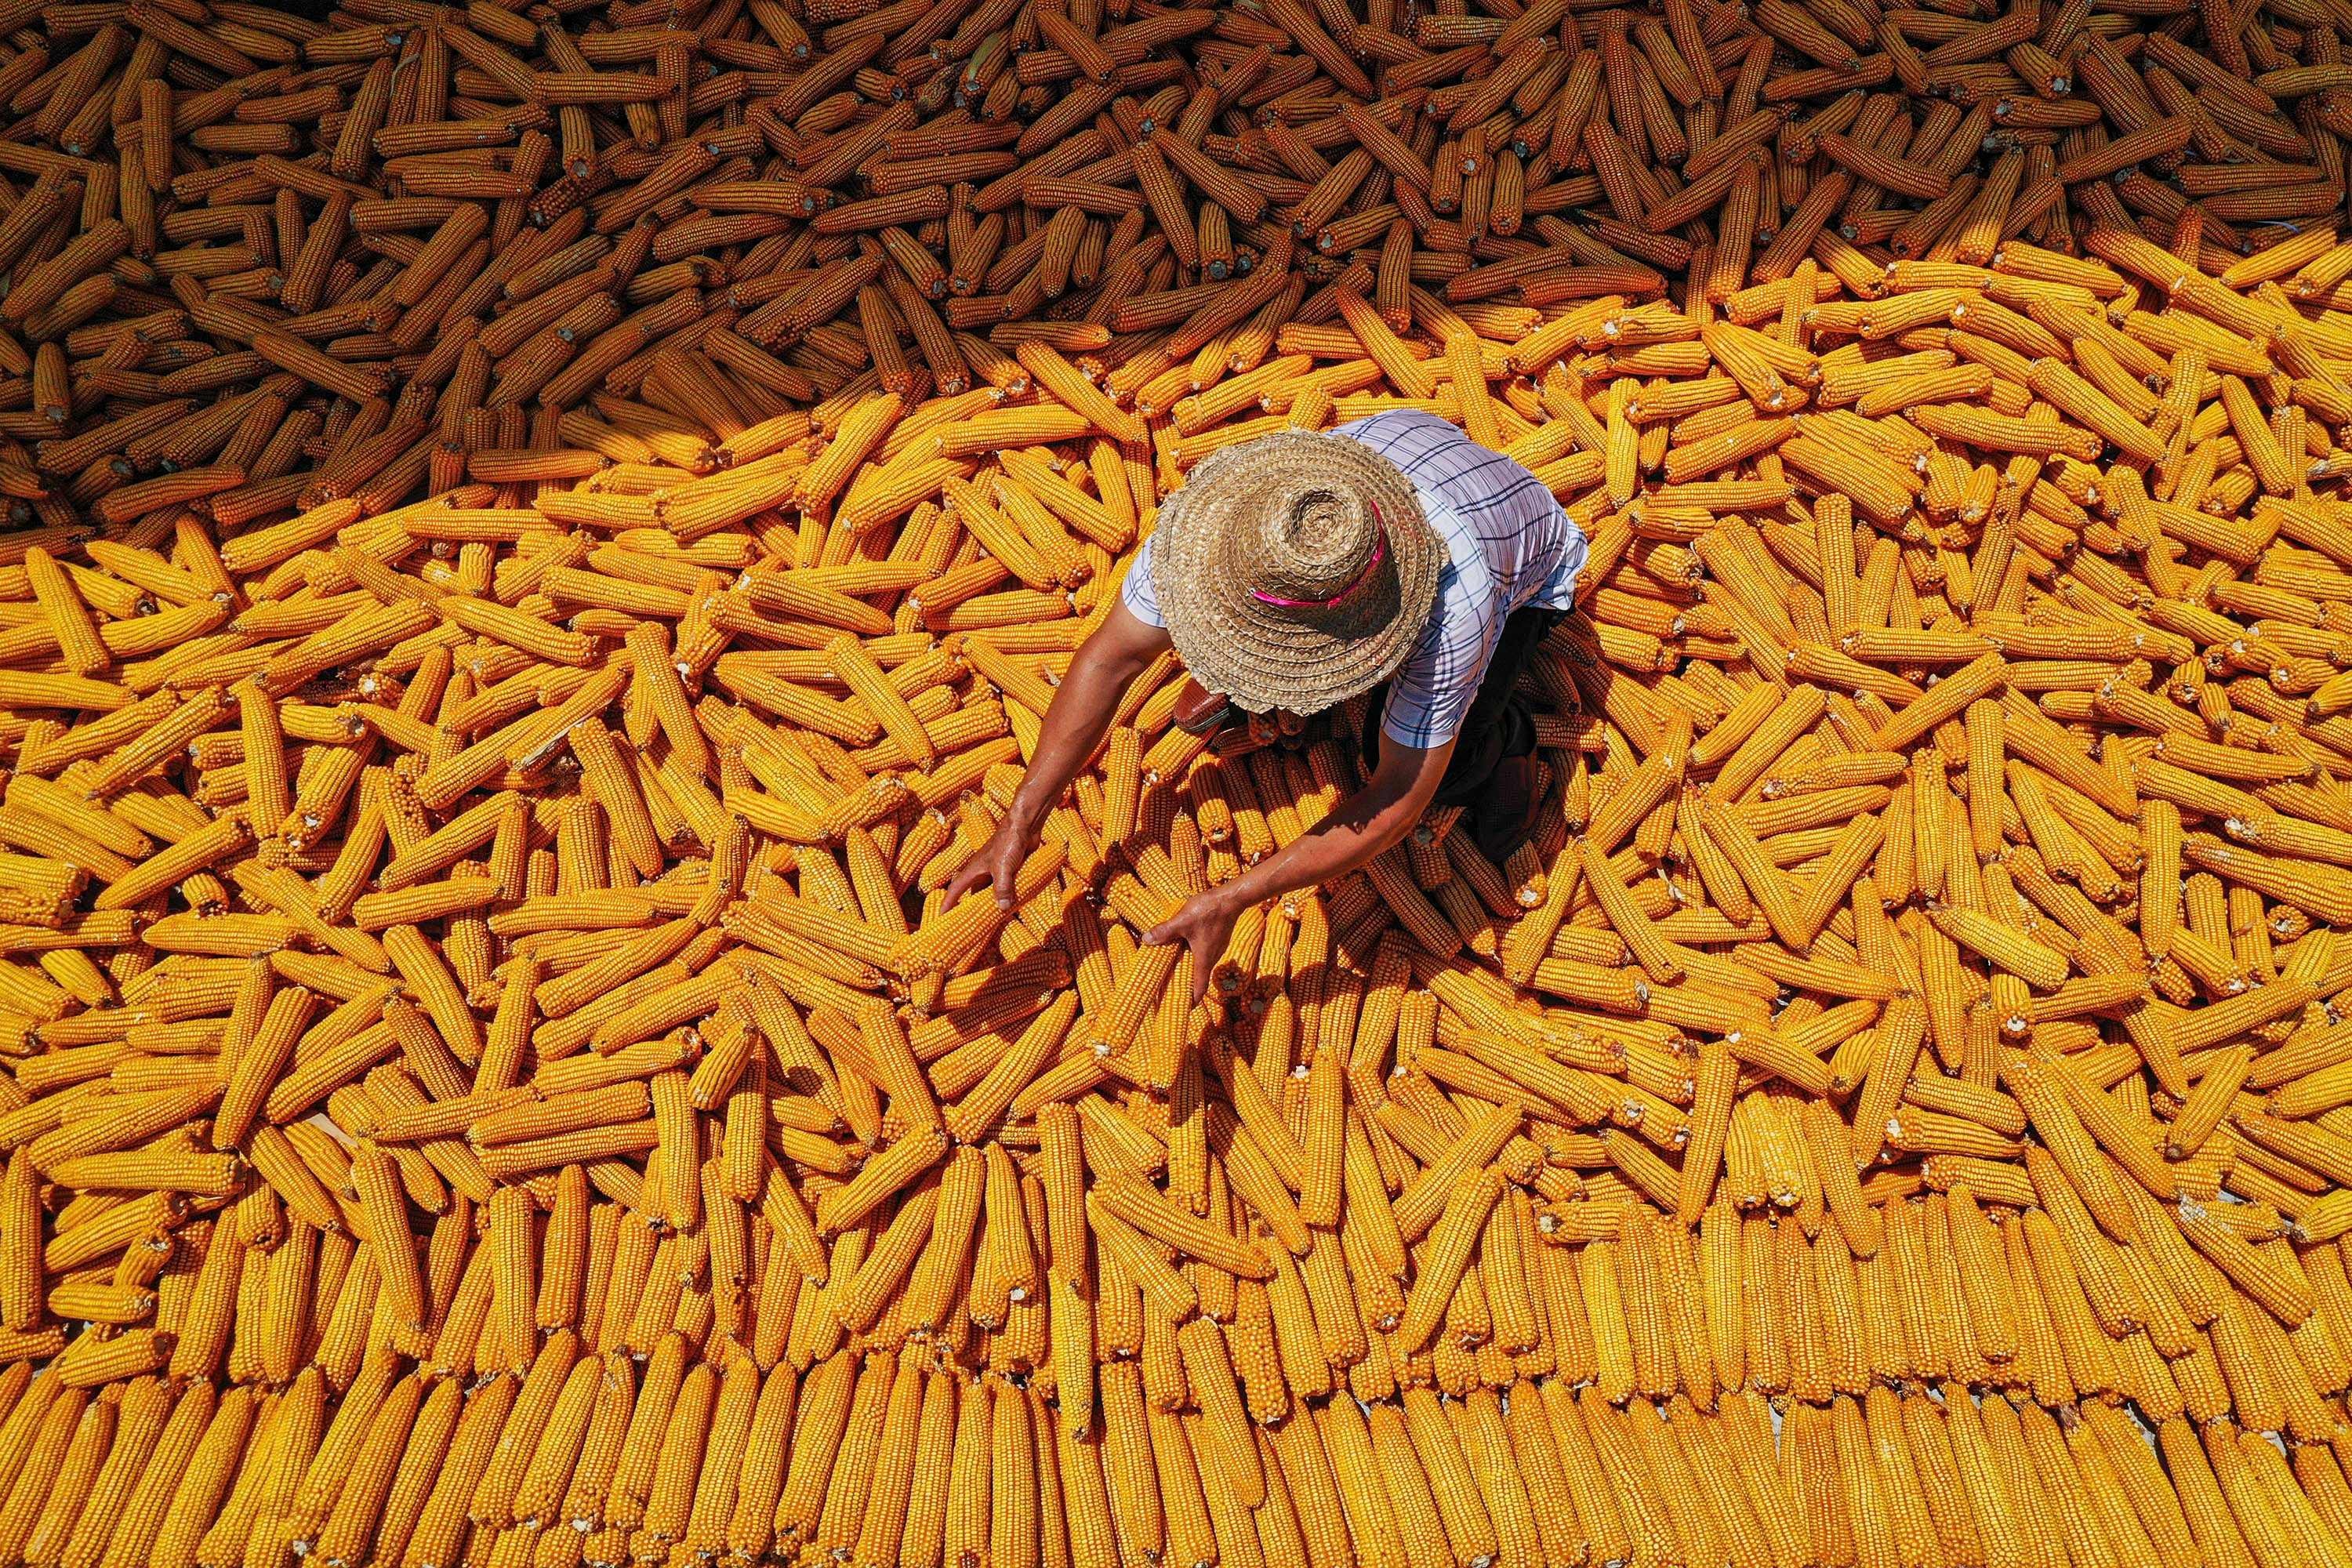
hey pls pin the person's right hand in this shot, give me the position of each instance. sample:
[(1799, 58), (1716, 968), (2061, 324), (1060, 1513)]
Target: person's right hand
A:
[(996, 862)]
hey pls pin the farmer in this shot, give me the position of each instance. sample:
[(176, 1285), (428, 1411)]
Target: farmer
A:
[(1393, 556)]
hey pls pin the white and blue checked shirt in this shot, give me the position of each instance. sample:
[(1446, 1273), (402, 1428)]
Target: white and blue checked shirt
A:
[(1509, 545)]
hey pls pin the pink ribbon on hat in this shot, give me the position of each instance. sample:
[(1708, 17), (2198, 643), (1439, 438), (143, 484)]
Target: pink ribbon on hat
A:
[(1380, 552)]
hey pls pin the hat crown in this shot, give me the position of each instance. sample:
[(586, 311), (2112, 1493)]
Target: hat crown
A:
[(1314, 538), (1296, 570)]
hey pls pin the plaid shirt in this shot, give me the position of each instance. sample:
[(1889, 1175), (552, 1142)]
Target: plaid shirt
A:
[(1509, 546)]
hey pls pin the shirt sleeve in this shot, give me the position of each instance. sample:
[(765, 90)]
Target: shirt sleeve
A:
[(1430, 694), (1138, 594)]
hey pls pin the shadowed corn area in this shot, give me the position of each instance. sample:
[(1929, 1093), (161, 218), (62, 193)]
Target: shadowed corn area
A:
[(543, 537)]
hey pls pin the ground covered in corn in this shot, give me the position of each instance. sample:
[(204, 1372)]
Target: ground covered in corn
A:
[(540, 537)]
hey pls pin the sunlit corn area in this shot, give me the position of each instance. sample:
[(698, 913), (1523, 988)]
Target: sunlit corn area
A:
[(540, 537)]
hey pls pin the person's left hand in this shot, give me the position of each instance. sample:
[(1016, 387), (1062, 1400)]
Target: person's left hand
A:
[(1205, 926)]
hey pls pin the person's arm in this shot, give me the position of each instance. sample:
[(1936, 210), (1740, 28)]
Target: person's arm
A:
[(1074, 726), (1360, 828)]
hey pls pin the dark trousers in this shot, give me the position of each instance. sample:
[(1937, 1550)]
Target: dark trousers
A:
[(1501, 723)]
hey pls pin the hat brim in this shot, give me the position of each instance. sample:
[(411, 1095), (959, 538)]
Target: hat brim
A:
[(1266, 657)]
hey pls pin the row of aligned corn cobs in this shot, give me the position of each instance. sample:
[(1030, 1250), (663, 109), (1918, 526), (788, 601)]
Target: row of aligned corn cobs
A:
[(545, 534)]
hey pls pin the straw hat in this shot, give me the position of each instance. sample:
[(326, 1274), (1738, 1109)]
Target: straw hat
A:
[(1296, 571)]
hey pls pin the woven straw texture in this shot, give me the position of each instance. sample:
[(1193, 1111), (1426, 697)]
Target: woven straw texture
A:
[(1296, 516)]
